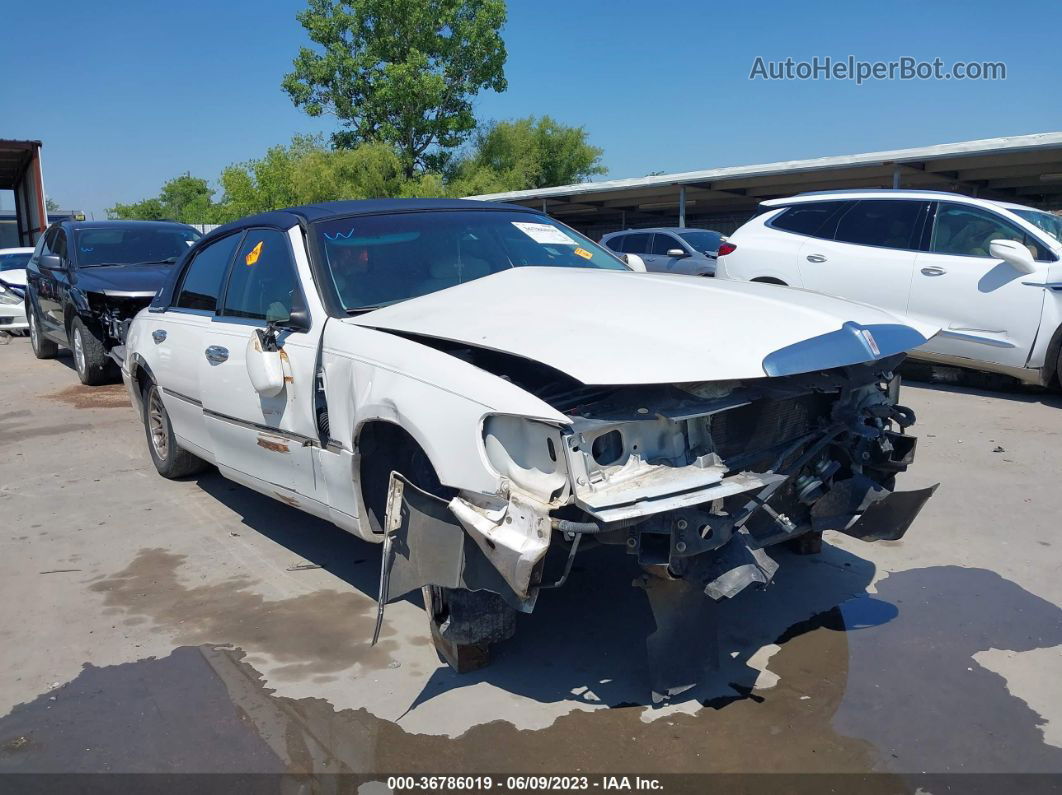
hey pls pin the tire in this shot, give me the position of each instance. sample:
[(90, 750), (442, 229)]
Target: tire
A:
[(463, 623), (170, 460), (42, 348), (93, 365)]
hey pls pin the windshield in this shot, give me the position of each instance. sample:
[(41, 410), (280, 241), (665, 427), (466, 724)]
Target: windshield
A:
[(701, 240), (11, 262), (382, 259), (128, 245), (1052, 224)]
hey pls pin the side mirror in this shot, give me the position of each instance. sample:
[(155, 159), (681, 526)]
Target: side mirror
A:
[(50, 262), (678, 253), (1013, 253), (298, 320), (265, 365), (635, 263)]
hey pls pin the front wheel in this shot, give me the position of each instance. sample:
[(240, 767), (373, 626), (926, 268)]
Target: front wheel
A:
[(42, 348), (170, 460), (464, 624), (94, 366)]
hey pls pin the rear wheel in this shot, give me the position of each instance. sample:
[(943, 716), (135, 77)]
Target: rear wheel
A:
[(94, 366), (170, 460), (42, 348)]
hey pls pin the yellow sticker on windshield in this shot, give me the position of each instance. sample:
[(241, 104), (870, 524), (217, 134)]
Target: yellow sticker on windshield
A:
[(254, 254), (582, 252)]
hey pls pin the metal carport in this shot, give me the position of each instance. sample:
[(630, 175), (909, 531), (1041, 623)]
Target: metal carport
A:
[(20, 171), (1023, 168)]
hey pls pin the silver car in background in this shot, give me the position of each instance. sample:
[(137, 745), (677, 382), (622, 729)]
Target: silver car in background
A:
[(669, 249)]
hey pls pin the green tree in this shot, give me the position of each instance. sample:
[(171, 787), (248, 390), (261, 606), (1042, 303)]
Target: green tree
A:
[(51, 205), (529, 153), (400, 72), (308, 171), (185, 198)]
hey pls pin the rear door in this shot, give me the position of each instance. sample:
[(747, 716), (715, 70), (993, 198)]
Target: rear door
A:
[(871, 255), (176, 335), (265, 442), (985, 310)]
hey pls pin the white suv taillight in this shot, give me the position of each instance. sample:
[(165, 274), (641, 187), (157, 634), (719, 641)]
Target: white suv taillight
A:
[(726, 248)]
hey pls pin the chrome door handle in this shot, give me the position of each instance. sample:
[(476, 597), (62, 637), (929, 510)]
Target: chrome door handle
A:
[(816, 258), (216, 354), (933, 270), (158, 336)]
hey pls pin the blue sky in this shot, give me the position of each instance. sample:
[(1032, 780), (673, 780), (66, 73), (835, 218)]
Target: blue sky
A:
[(128, 94)]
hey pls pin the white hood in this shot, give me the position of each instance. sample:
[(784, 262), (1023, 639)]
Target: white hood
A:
[(618, 327)]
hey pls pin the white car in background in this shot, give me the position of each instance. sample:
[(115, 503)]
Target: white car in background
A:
[(988, 273), (13, 288)]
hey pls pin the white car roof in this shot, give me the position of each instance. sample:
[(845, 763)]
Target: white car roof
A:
[(21, 250), (888, 193)]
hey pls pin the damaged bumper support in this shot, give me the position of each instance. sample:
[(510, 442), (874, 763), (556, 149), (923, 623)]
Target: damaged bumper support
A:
[(696, 488)]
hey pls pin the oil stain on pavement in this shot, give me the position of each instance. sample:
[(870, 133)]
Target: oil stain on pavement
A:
[(884, 682), (316, 633)]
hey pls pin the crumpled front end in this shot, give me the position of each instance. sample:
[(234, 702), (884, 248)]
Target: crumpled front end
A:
[(696, 481)]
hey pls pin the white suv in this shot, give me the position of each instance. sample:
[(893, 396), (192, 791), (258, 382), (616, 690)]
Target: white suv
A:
[(988, 273)]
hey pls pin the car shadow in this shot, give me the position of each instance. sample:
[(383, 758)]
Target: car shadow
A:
[(958, 380), (586, 640), (316, 541)]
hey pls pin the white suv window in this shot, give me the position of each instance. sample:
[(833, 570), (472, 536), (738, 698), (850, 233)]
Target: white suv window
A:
[(807, 219), (885, 223), (966, 231)]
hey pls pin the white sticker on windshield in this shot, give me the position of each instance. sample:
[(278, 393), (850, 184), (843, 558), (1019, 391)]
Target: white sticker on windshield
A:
[(544, 233)]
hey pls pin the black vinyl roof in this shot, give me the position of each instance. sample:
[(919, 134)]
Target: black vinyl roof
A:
[(310, 213)]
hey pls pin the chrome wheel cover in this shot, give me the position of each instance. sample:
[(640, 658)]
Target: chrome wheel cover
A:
[(157, 425)]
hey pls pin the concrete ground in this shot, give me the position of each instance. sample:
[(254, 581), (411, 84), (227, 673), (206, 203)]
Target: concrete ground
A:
[(151, 625)]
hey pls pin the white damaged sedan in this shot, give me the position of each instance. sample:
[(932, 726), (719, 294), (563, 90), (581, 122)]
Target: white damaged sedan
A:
[(486, 391)]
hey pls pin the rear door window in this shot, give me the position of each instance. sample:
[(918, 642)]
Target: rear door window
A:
[(808, 219), (886, 223), (637, 243), (616, 243), (201, 284)]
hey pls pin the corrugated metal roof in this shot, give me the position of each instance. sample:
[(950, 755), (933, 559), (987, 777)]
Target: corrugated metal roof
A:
[(985, 146)]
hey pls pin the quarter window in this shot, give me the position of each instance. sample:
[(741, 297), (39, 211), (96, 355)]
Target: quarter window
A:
[(967, 231), (202, 280), (887, 223), (807, 219), (616, 243), (262, 283)]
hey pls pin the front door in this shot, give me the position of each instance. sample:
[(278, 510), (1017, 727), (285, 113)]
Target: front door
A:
[(263, 441), (982, 304)]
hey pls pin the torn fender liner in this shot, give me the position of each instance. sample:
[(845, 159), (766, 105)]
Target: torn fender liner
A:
[(425, 545), (883, 515), (733, 567), (685, 643), (889, 518)]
